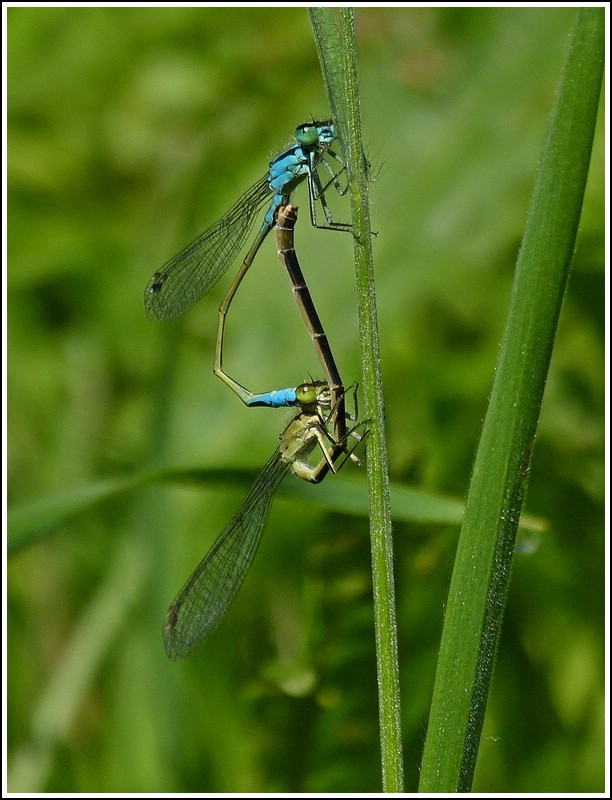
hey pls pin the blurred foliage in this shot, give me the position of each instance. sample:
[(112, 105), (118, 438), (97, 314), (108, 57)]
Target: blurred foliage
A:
[(129, 131)]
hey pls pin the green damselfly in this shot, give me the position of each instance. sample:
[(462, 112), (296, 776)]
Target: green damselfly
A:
[(209, 591)]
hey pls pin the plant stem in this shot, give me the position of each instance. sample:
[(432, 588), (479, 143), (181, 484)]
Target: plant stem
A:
[(335, 37)]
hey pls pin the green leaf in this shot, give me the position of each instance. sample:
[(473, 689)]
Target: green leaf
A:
[(479, 585)]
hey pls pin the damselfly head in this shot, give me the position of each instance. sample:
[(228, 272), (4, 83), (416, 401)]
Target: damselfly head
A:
[(310, 133), (311, 395)]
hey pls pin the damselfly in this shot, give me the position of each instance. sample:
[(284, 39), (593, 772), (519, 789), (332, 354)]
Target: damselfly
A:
[(215, 582), (183, 280)]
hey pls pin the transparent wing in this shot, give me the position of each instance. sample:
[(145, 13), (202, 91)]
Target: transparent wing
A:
[(183, 280), (210, 590)]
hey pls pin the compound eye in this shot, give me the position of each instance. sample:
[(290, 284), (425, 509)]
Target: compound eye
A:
[(306, 394), (306, 134)]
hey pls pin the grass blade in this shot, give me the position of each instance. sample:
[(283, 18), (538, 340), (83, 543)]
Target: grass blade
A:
[(482, 568)]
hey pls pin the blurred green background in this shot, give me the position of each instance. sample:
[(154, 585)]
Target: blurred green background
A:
[(129, 132)]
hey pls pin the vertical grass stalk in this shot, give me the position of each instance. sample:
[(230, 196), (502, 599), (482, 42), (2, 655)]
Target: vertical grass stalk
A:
[(335, 38)]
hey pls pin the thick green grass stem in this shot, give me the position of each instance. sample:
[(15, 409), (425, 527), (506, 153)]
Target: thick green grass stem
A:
[(480, 577), (335, 37)]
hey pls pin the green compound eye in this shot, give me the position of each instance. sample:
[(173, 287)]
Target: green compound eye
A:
[(306, 134), (306, 394)]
